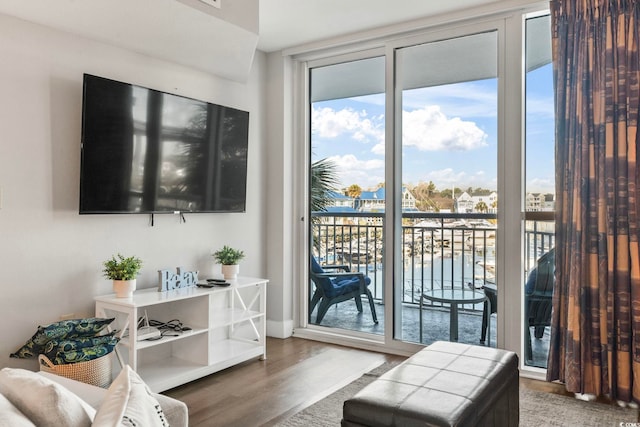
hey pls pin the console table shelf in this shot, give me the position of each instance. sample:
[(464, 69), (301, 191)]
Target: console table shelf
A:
[(147, 343), (228, 326)]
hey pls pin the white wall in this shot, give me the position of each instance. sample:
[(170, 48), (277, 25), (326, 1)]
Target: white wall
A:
[(280, 206), (50, 257)]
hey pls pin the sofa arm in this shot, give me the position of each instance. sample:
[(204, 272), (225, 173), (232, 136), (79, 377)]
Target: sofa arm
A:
[(174, 410)]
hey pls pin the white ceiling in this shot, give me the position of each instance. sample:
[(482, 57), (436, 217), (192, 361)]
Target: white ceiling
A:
[(287, 23), (169, 29), (430, 64)]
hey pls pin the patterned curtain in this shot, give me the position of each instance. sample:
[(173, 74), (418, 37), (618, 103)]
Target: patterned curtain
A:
[(595, 344)]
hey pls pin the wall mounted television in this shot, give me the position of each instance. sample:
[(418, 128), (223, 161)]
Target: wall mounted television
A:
[(147, 151)]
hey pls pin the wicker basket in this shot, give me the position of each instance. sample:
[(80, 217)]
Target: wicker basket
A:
[(95, 372)]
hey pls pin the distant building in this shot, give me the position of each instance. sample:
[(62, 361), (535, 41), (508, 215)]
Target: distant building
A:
[(408, 201), (339, 200), (373, 201), (466, 203), (535, 202), (368, 201), (338, 204), (549, 203), (463, 203)]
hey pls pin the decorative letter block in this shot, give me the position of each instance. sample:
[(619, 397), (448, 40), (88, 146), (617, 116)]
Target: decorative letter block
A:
[(170, 281), (187, 278)]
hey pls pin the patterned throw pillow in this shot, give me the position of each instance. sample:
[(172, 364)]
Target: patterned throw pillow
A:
[(79, 349), (85, 354), (60, 330)]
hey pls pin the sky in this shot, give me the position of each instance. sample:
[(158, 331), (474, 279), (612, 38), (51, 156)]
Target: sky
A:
[(449, 135)]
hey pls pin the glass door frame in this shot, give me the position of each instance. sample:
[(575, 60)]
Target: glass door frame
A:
[(509, 247), (338, 336), (394, 149)]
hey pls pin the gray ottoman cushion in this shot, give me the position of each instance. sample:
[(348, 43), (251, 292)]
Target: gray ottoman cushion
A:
[(445, 384)]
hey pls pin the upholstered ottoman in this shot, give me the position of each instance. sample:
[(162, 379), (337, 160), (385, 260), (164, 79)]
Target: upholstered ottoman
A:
[(445, 384)]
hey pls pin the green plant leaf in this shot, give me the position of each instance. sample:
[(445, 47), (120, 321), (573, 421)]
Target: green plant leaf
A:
[(122, 268), (228, 255)]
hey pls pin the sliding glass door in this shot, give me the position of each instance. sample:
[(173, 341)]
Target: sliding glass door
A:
[(347, 189), (444, 188), (449, 140), (429, 159)]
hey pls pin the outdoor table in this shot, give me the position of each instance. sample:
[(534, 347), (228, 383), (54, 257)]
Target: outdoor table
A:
[(454, 297)]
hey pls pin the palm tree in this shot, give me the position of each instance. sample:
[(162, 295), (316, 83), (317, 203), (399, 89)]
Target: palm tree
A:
[(354, 191), (481, 207), (324, 179)]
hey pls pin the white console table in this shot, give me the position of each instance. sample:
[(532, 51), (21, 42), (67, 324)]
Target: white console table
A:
[(228, 326)]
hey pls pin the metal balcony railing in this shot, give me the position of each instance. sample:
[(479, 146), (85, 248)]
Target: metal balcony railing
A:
[(439, 250)]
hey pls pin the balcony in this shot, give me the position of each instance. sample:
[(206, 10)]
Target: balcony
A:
[(439, 251)]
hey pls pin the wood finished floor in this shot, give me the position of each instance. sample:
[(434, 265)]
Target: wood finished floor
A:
[(297, 373)]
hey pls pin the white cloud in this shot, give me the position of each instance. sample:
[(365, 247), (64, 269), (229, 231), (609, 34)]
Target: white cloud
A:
[(329, 123), (448, 178), (378, 149), (541, 185), (428, 129), (352, 170), (461, 99)]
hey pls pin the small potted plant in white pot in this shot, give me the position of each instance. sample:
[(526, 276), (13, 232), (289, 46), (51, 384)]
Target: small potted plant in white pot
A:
[(229, 257), (123, 271)]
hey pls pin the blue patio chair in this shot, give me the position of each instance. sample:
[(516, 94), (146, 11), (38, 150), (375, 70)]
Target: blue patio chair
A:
[(333, 287), (537, 298), (538, 293)]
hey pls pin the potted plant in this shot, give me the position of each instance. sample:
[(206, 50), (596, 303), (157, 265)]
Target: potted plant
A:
[(123, 271), (229, 257)]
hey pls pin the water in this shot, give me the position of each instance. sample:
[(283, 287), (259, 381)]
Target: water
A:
[(457, 270)]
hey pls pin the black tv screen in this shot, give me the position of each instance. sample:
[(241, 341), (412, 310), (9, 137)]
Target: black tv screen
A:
[(146, 151)]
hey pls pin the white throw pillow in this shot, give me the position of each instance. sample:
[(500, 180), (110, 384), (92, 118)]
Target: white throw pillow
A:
[(10, 416), (43, 401), (129, 402), (91, 394)]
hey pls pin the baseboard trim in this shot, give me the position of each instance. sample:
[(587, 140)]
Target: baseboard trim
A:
[(363, 343), (279, 329)]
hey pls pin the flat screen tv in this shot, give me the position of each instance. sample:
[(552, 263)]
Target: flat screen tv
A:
[(146, 151)]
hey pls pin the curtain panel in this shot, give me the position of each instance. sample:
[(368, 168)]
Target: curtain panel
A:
[(595, 339)]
